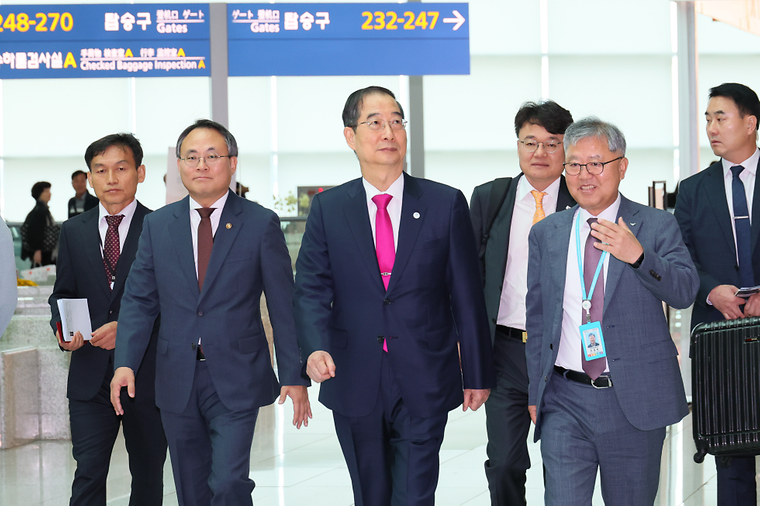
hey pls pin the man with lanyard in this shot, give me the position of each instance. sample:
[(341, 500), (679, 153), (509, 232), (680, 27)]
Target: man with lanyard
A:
[(604, 267)]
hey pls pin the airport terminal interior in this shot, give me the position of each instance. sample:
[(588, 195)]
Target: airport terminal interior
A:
[(645, 66)]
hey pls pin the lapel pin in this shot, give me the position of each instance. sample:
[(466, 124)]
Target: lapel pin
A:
[(229, 226), (416, 215)]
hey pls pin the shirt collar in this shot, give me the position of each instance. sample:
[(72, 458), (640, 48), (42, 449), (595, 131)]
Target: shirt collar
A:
[(219, 204), (524, 188), (750, 164), (396, 189), (128, 211)]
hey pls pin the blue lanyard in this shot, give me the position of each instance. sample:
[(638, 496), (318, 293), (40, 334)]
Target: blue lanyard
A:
[(580, 263)]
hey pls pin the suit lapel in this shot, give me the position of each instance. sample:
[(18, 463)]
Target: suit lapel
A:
[(90, 235), (357, 217), (564, 199), (129, 250), (557, 250), (179, 231), (714, 189), (409, 228), (223, 239), (756, 209), (631, 218)]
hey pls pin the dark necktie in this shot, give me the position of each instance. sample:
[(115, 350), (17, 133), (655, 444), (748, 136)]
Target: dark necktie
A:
[(591, 258), (205, 243), (743, 229), (112, 247)]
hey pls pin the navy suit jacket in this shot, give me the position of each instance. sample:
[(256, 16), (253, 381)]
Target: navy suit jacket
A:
[(81, 274), (641, 354), (434, 300), (249, 255), (494, 265), (702, 213)]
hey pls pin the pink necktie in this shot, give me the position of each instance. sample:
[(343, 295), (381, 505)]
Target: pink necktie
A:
[(111, 247), (384, 247)]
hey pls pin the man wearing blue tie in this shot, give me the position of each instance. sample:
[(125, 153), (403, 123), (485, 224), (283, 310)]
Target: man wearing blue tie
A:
[(388, 300), (713, 211)]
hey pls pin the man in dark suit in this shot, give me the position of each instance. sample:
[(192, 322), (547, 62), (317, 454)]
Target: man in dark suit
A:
[(706, 211), (388, 299), (203, 263), (88, 269), (606, 412), (521, 202), (83, 200)]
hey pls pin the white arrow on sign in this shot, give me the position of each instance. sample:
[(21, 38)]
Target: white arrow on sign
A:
[(458, 19)]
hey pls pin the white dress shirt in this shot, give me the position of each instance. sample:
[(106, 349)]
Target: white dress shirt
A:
[(195, 220), (515, 285), (396, 190), (569, 353), (128, 213)]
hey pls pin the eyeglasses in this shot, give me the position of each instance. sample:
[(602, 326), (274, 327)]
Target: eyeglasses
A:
[(379, 124), (593, 168), (192, 161), (532, 146)]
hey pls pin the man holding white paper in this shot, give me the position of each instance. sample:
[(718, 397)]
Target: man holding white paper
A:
[(96, 252)]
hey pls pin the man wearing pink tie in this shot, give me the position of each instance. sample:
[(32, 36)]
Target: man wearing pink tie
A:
[(389, 309)]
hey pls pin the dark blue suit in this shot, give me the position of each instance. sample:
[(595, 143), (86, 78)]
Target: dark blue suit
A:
[(434, 302), (703, 215), (94, 425), (249, 256)]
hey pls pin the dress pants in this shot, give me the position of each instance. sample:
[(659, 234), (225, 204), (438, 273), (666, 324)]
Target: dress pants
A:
[(210, 447), (583, 429), (392, 455), (508, 423), (736, 482), (94, 427)]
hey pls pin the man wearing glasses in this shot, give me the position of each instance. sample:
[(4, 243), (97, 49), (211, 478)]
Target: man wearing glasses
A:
[(604, 268), (202, 264), (387, 295), (502, 213)]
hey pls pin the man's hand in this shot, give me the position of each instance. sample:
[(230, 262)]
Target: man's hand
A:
[(752, 307), (37, 257), (474, 398), (723, 298), (617, 239), (320, 366), (301, 407), (122, 377), (73, 345), (105, 336), (532, 411)]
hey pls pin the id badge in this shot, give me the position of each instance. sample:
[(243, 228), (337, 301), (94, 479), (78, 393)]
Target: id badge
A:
[(592, 341)]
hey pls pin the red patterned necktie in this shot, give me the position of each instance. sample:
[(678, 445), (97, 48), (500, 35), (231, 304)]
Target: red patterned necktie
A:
[(591, 256), (205, 243), (112, 247)]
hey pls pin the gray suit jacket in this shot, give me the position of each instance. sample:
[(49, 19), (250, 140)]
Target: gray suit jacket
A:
[(640, 352)]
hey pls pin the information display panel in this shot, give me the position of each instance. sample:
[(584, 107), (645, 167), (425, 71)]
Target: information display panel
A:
[(117, 40), (348, 39)]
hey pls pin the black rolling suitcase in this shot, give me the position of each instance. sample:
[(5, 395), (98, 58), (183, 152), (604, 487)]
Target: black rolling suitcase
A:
[(725, 373)]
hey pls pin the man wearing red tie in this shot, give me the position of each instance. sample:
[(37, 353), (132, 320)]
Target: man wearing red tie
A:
[(388, 300)]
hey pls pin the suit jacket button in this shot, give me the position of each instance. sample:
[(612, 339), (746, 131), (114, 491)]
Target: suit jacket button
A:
[(200, 313), (380, 339), (493, 320), (387, 302), (193, 346), (551, 346)]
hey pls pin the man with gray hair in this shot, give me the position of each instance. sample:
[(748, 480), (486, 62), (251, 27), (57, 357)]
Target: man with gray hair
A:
[(604, 267)]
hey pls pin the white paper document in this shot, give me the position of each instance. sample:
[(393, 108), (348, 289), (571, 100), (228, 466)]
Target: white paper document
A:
[(75, 316)]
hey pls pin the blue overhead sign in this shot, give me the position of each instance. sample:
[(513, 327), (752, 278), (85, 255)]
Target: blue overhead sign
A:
[(348, 39), (119, 40)]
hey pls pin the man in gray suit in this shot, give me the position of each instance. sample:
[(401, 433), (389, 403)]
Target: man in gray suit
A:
[(605, 411)]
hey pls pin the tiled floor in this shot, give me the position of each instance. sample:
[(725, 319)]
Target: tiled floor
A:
[(294, 468)]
